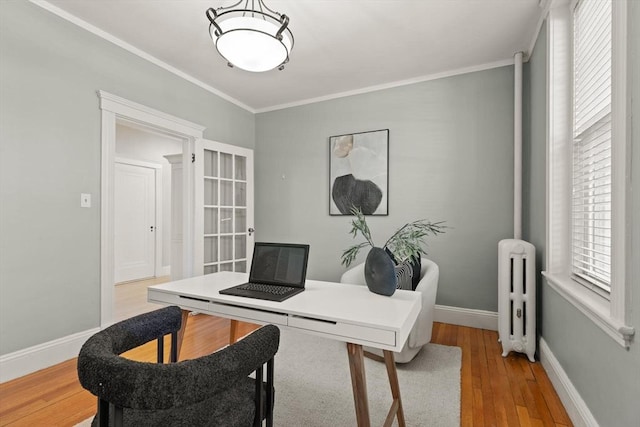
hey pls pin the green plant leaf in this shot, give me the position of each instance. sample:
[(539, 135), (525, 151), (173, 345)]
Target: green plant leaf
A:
[(349, 255), (406, 243)]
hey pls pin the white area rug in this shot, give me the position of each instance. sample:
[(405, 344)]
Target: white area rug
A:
[(313, 385)]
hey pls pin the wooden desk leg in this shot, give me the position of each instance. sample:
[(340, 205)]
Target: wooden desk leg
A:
[(233, 331), (396, 407), (183, 327), (359, 384)]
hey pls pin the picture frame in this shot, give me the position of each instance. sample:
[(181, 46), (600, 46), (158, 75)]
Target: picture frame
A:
[(359, 173)]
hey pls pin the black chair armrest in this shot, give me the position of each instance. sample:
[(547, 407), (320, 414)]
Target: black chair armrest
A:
[(140, 385)]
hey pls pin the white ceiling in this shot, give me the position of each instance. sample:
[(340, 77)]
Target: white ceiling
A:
[(341, 46)]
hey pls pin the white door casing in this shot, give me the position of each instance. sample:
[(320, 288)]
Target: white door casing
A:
[(224, 210), (135, 221), (116, 109)]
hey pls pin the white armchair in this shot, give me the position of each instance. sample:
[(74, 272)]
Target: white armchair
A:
[(421, 332)]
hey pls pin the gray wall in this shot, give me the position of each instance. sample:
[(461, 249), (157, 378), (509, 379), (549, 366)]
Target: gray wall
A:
[(606, 375), (50, 153), (534, 157), (451, 158)]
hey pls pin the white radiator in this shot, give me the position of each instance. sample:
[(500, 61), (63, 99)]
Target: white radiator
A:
[(517, 297)]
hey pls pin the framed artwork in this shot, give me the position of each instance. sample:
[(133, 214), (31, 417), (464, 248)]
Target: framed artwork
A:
[(359, 173)]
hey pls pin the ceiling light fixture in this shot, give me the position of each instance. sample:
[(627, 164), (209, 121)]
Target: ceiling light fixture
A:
[(250, 38)]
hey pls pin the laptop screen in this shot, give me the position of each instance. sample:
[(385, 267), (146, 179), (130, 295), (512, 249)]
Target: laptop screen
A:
[(279, 263)]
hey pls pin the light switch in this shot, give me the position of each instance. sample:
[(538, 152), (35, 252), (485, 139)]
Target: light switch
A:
[(85, 200)]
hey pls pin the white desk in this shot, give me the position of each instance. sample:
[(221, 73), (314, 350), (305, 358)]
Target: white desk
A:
[(348, 313)]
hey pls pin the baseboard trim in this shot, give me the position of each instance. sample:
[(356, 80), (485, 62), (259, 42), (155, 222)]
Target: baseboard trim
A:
[(577, 409), (32, 359), (466, 317)]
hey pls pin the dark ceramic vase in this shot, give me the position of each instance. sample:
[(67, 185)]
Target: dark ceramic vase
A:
[(379, 272)]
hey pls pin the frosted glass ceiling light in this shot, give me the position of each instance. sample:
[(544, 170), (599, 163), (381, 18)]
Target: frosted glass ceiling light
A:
[(250, 38)]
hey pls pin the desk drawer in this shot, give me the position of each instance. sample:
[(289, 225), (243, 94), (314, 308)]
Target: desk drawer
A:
[(185, 302), (248, 314), (346, 331)]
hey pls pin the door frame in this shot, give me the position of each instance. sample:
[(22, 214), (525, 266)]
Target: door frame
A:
[(157, 176), (115, 109)]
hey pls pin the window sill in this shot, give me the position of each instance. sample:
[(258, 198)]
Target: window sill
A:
[(594, 306)]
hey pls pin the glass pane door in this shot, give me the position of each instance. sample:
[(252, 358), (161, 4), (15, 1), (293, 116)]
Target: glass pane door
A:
[(225, 188)]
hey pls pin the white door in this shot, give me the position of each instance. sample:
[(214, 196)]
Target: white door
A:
[(224, 207), (134, 222)]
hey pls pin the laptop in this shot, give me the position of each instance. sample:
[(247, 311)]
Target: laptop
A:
[(278, 272)]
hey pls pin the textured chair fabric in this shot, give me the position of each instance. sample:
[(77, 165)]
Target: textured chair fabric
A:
[(214, 390), (421, 332)]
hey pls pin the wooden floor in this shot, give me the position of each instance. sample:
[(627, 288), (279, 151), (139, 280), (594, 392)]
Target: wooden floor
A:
[(130, 298), (499, 391), (496, 391)]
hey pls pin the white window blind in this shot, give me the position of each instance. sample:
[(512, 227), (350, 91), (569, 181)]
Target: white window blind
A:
[(591, 205)]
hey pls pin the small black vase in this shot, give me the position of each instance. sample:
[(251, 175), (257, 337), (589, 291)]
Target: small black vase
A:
[(379, 272)]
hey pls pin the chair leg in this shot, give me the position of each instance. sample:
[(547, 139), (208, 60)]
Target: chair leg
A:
[(174, 347), (173, 352), (258, 398), (118, 416), (103, 413), (161, 350), (270, 393)]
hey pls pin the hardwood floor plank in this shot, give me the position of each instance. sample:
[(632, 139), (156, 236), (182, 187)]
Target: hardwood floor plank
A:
[(489, 408), (523, 416), (529, 399), (503, 403), (66, 411), (451, 336), (478, 408), (501, 417), (440, 337), (526, 368), (535, 422), (551, 398), (478, 361), (513, 372), (467, 392), (508, 401), (543, 410)]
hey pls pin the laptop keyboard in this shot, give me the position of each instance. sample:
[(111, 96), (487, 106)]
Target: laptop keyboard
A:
[(268, 289)]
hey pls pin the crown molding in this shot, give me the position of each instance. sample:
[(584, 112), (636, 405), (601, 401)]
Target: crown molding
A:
[(391, 85), (138, 52)]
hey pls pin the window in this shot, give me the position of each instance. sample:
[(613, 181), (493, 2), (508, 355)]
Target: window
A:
[(591, 185), (587, 144)]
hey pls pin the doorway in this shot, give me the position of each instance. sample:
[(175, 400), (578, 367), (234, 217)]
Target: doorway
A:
[(119, 111), (142, 213)]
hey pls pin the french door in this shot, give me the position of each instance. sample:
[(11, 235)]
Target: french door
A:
[(223, 207)]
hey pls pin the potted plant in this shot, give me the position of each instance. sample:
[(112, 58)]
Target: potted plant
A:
[(406, 245)]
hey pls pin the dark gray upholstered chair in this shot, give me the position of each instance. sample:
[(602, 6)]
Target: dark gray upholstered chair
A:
[(214, 390)]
